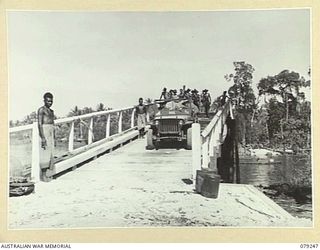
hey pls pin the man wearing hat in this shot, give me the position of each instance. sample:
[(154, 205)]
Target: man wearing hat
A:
[(195, 98), (187, 93), (174, 94), (223, 98), (206, 101), (170, 94)]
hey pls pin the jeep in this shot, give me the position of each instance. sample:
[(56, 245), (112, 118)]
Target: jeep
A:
[(172, 124)]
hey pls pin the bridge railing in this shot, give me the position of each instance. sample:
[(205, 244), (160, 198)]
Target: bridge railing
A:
[(206, 144), (73, 135)]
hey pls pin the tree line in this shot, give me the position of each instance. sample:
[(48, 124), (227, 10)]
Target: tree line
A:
[(278, 116), (81, 127)]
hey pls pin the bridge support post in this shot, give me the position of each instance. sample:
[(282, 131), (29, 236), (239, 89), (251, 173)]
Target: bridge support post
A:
[(71, 137), (196, 150), (236, 153), (120, 122), (205, 153), (108, 126), (132, 117), (35, 168), (214, 158), (90, 132), (148, 116)]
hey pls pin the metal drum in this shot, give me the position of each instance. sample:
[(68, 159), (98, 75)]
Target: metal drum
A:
[(207, 183)]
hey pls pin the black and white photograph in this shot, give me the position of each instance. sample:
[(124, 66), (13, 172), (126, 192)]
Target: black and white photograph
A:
[(159, 119)]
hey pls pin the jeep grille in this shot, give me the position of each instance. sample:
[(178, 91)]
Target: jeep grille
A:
[(169, 126)]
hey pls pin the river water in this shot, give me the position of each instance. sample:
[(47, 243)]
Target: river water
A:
[(287, 183)]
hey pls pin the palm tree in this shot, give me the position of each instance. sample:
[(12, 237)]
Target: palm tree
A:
[(87, 110), (75, 111)]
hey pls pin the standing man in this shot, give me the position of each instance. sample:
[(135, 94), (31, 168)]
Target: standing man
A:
[(223, 98), (46, 132), (206, 101), (164, 94), (181, 94), (141, 113), (196, 98), (187, 94), (174, 94)]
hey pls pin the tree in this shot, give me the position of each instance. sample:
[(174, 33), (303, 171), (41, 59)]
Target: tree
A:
[(259, 128), (276, 112), (242, 95), (286, 85), (32, 117), (75, 111), (87, 110), (289, 113)]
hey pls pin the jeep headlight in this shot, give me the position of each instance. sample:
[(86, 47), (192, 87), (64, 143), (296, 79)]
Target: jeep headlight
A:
[(156, 123), (181, 122)]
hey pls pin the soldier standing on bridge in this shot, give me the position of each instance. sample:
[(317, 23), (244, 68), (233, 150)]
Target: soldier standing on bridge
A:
[(141, 113), (206, 101), (223, 98), (187, 94), (196, 98), (46, 132), (181, 94)]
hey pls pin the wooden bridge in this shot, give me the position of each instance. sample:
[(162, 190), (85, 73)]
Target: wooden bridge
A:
[(206, 142), (120, 183)]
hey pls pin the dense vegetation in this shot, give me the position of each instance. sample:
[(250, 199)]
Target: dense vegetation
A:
[(278, 117)]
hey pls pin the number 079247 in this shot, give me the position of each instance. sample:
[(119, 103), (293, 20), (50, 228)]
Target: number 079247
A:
[(308, 246)]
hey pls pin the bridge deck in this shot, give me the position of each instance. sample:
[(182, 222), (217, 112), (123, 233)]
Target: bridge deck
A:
[(135, 187)]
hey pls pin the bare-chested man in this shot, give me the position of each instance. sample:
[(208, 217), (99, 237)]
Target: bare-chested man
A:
[(46, 132), (141, 113)]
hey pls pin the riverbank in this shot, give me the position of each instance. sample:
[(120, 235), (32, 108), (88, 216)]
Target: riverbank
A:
[(287, 181), (297, 202)]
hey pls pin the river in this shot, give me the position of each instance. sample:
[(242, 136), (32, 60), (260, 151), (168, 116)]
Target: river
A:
[(287, 183)]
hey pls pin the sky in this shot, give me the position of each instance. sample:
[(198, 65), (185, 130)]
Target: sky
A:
[(86, 58)]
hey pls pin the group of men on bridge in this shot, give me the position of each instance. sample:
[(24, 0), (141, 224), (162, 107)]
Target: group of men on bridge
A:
[(202, 101)]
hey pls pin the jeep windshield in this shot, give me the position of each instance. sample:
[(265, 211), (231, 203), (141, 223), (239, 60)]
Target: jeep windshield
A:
[(175, 107)]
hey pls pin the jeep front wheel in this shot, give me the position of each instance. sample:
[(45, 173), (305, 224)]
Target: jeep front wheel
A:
[(150, 144), (189, 139)]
